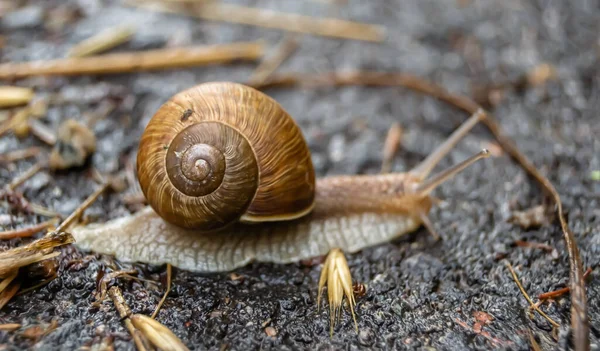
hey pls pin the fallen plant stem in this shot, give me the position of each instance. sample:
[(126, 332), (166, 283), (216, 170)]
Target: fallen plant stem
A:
[(29, 231), (42, 211), (102, 41), (169, 269), (136, 61), (534, 345), (329, 27), (79, 211), (38, 250), (25, 176), (533, 305), (7, 294), (125, 313), (14, 96), (18, 155), (10, 326), (390, 147), (579, 316), (534, 245), (272, 62), (103, 285), (8, 279), (42, 132), (560, 292)]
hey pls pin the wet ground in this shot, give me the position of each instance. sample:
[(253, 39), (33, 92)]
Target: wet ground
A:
[(421, 294)]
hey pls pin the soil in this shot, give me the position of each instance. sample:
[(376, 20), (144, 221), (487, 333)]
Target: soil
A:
[(421, 294)]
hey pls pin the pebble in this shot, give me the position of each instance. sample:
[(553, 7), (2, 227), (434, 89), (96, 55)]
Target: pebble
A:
[(23, 18), (366, 336)]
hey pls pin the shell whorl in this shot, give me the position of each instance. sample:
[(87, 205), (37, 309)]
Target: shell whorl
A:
[(220, 152)]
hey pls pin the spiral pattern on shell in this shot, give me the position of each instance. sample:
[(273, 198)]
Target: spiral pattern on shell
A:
[(220, 152)]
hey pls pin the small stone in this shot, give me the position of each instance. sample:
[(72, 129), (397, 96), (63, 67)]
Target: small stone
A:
[(26, 17), (366, 336), (270, 331)]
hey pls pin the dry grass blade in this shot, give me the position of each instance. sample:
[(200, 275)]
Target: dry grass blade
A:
[(10, 326), (42, 132), (159, 335), (103, 286), (328, 27), (22, 154), (533, 305), (579, 316), (14, 96), (42, 211), (8, 279), (272, 62), (35, 251), (169, 271), (560, 292), (136, 61), (29, 231), (390, 147), (8, 293), (125, 313), (102, 41), (26, 175), (79, 211)]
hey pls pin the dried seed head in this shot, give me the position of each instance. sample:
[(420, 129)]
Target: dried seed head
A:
[(159, 335), (336, 274)]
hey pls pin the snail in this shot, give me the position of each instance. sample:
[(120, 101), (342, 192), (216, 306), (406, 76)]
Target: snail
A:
[(229, 179)]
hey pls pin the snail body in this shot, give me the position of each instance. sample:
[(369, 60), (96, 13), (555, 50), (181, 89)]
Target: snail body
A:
[(218, 158)]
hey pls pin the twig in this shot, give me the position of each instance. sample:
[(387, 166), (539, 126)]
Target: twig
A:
[(125, 313), (103, 284), (560, 292), (534, 345), (8, 279), (23, 177), (136, 61), (102, 41), (328, 27), (9, 292), (38, 250), (534, 245), (79, 211), (272, 62), (166, 292), (42, 132), (26, 232), (512, 271), (22, 154), (42, 211), (10, 326), (14, 96), (390, 147), (579, 316)]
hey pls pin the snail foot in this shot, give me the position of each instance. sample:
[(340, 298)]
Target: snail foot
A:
[(336, 274)]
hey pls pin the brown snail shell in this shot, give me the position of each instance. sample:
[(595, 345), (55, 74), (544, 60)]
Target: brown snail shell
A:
[(221, 152)]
